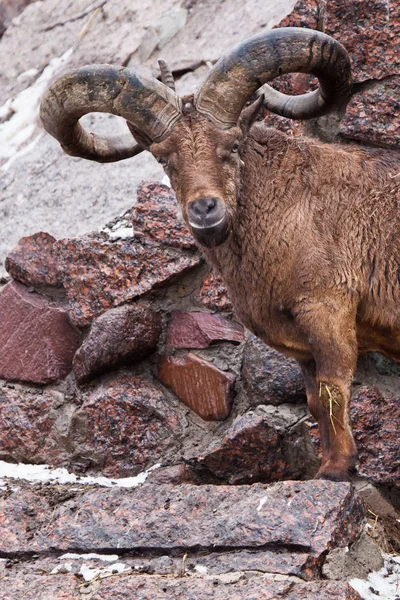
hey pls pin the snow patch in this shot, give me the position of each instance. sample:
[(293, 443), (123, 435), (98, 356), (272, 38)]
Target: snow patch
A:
[(262, 502), (91, 556), (42, 473), (201, 569), (88, 573), (384, 583), (24, 110)]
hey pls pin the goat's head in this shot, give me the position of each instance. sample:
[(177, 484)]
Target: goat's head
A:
[(197, 139)]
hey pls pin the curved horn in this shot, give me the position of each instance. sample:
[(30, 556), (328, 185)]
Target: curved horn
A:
[(166, 75), (148, 104), (235, 77)]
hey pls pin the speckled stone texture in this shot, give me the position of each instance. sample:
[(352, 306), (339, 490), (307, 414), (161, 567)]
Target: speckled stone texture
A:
[(370, 31), (125, 425), (250, 451), (213, 294), (151, 587), (271, 378), (33, 423), (307, 517), (373, 114), (9, 9), (376, 417), (156, 216), (201, 329), (199, 384), (375, 421), (122, 335), (101, 274), (37, 341), (33, 261)]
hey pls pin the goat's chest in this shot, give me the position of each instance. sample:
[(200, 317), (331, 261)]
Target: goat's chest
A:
[(258, 294)]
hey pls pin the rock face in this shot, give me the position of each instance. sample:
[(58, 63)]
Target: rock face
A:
[(198, 383), (270, 377), (124, 425), (34, 425), (213, 294), (34, 262), (306, 517), (157, 216), (37, 340), (263, 541), (201, 329), (123, 335), (250, 451), (100, 274)]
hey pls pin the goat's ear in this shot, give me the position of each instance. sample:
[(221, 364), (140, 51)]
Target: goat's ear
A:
[(249, 114)]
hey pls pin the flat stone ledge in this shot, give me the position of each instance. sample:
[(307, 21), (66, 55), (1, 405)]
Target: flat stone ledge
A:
[(302, 517), (144, 587)]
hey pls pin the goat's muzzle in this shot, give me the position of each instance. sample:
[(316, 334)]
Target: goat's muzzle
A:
[(208, 221)]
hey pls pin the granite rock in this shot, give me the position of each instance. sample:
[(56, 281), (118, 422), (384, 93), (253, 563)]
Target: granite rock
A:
[(153, 587), (372, 114), (271, 378), (199, 384), (156, 216), (34, 425), (9, 9), (213, 294), (250, 451), (122, 335), (37, 340), (124, 425), (101, 274), (33, 261), (309, 517), (201, 329)]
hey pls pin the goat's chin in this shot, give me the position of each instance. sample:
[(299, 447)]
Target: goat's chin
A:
[(211, 237)]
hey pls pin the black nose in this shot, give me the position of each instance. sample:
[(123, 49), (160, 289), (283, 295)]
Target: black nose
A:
[(205, 212)]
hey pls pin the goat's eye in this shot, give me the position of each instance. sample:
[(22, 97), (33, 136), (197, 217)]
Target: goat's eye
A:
[(163, 162), (235, 147)]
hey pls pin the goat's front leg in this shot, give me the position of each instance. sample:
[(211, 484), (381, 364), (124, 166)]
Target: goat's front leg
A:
[(328, 379)]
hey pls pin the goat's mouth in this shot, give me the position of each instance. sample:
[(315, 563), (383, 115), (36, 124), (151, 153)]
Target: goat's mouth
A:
[(213, 234)]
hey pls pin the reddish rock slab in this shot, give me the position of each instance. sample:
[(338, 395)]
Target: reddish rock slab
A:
[(310, 517), (37, 341), (101, 274), (375, 421), (250, 451), (375, 418), (122, 335), (373, 115), (306, 13), (201, 329), (156, 216), (213, 294), (153, 587), (33, 261), (370, 32), (199, 384), (125, 425), (271, 378), (33, 424)]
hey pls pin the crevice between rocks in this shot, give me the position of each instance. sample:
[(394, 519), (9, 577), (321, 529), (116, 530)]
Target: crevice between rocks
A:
[(156, 552)]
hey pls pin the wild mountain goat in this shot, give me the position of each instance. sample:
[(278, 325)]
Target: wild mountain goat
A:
[(304, 234)]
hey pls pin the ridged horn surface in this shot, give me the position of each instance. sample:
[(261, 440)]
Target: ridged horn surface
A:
[(236, 76), (148, 104)]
